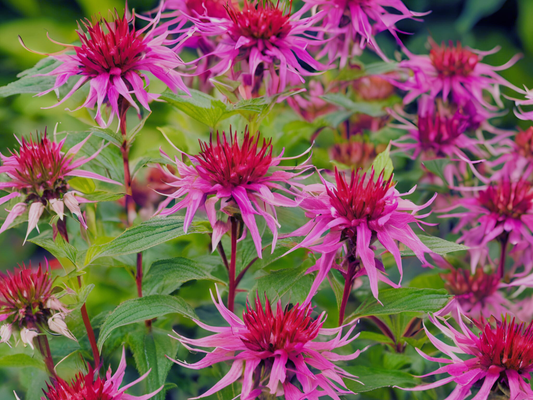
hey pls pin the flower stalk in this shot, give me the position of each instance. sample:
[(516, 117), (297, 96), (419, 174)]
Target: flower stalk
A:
[(44, 348), (90, 331), (232, 265)]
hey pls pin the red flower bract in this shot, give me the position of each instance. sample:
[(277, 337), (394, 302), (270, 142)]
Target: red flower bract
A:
[(287, 329), (476, 287), (24, 294), (452, 60), (263, 21), (363, 197), (508, 199), (227, 163), (114, 52), (508, 345), (82, 387)]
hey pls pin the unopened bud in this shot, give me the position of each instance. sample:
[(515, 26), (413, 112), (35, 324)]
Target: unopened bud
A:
[(27, 336), (6, 331), (57, 324)]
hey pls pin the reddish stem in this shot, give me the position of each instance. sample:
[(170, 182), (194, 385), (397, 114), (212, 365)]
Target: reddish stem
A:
[(44, 349), (345, 296), (222, 253), (90, 331), (501, 267), (232, 265)]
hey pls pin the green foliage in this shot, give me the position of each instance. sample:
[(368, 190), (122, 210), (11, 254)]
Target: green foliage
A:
[(375, 378), (142, 309)]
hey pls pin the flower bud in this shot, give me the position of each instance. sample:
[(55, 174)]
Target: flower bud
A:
[(27, 336), (57, 324), (5, 333), (59, 207)]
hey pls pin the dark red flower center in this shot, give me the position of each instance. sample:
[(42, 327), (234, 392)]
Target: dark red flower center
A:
[(524, 142), (24, 294), (288, 329), (473, 288), (452, 60), (360, 198), (41, 168), (230, 164), (508, 199), (441, 128), (508, 345), (259, 20), (109, 47), (83, 387), (355, 154)]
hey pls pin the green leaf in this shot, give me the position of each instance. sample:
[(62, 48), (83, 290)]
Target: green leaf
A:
[(375, 378), (227, 87), (84, 185), (430, 281), (383, 163), (372, 109), (28, 83), (437, 245), (142, 162), (142, 309), (100, 196), (437, 166), (198, 105), (150, 351), (21, 361), (377, 68), (141, 237), (292, 281), (108, 134), (59, 248), (165, 276), (396, 301)]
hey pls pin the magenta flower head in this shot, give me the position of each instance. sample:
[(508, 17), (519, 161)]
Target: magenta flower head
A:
[(502, 210), (477, 294), (358, 211), (91, 387), (500, 356), (28, 306), (276, 349), (242, 177), (440, 130), (351, 25), (113, 58), (261, 44), (456, 74), (38, 173)]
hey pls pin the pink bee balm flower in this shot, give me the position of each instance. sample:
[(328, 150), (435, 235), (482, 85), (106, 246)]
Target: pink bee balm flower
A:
[(274, 347), (91, 387), (28, 306), (477, 294), (455, 73), (358, 211), (113, 57), (38, 173), (261, 44), (501, 355), (439, 131), (352, 24), (502, 210), (239, 176)]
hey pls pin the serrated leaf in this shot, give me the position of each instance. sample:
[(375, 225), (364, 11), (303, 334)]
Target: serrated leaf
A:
[(59, 248), (375, 378), (142, 309), (108, 134), (293, 281), (28, 83), (377, 68), (142, 237), (198, 105), (437, 245), (100, 196), (396, 301), (84, 185), (165, 276), (150, 351)]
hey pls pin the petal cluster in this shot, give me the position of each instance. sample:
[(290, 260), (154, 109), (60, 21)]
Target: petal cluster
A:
[(240, 176), (277, 350)]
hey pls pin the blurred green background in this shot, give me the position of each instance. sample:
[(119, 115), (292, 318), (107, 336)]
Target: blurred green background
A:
[(481, 24)]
